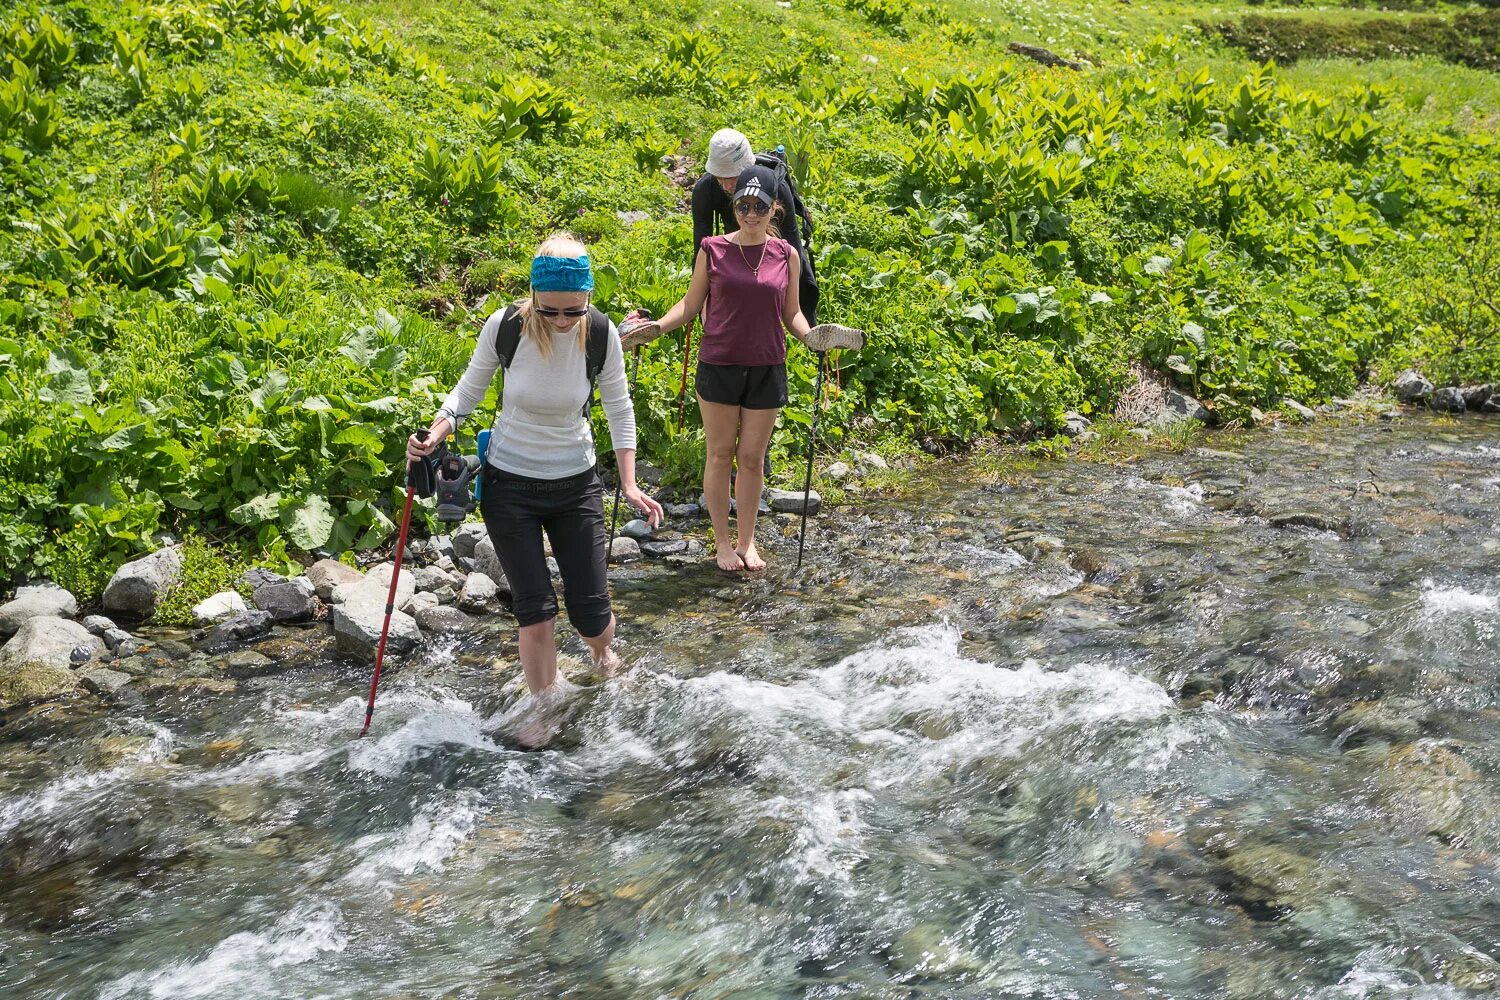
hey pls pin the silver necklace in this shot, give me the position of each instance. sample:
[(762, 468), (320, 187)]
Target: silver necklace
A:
[(755, 271)]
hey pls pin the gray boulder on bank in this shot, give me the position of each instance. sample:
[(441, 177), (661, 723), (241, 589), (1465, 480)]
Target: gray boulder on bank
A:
[(220, 606), (49, 640), (139, 585), (1180, 406), (1475, 396), (790, 501), (376, 585), (479, 590), (1075, 424), (624, 550), (444, 621), (467, 538), (636, 528), (1411, 387), (36, 601), (286, 601), (1449, 399), (37, 662), (326, 574), (487, 562), (1303, 413), (241, 628)]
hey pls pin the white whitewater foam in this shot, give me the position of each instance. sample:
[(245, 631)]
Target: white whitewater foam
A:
[(1438, 601), (425, 844), (242, 963), (1178, 501), (1376, 975), (79, 787), (436, 721)]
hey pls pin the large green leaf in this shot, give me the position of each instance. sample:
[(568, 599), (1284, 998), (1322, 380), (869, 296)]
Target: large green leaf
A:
[(309, 525), (68, 382), (123, 438), (258, 511)]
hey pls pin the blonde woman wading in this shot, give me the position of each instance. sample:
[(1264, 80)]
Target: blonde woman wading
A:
[(745, 285), (539, 469)]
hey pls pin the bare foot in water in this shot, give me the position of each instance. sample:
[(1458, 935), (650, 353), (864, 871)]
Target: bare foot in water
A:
[(753, 561), (535, 720), (729, 560), (609, 664)]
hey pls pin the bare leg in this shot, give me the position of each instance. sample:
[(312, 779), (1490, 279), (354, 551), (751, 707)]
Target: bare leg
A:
[(720, 427), (539, 655), (606, 660), (755, 436)]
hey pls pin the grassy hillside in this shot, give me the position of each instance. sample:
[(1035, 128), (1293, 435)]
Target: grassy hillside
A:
[(251, 241)]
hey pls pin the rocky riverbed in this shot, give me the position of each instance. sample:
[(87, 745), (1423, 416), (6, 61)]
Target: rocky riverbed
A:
[(1219, 723)]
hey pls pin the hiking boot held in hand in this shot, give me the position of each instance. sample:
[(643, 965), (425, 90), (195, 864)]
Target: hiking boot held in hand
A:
[(832, 336)]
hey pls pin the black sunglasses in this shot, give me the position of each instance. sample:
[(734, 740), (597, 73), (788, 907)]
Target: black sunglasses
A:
[(550, 313), (751, 206)]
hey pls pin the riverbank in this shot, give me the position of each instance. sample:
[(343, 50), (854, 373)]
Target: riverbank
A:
[(452, 587)]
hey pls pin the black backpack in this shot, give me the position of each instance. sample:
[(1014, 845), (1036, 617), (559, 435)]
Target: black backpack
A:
[(508, 338), (775, 161)]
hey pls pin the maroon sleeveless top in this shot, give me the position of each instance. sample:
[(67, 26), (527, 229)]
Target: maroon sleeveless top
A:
[(742, 318)]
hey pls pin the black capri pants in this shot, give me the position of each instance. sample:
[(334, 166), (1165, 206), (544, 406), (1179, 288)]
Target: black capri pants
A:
[(517, 509)]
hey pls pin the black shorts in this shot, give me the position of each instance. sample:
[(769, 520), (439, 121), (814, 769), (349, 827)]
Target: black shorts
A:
[(754, 387)]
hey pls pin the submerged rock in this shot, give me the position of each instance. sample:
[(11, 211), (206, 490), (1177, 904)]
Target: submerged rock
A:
[(22, 683), (357, 626), (443, 621), (1306, 519)]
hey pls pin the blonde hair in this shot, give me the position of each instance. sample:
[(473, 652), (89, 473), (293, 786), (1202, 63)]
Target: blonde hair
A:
[(561, 244)]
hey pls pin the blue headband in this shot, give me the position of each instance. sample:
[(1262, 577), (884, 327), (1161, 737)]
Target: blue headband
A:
[(561, 274)]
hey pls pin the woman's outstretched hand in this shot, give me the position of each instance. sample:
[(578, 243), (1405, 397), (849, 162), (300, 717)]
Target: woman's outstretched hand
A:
[(647, 506)]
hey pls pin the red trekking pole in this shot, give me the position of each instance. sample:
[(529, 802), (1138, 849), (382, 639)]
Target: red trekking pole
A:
[(390, 598)]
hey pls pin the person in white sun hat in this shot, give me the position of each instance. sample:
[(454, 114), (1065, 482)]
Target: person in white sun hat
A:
[(729, 155)]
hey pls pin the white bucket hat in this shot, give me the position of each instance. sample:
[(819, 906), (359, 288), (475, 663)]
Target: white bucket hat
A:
[(729, 153)]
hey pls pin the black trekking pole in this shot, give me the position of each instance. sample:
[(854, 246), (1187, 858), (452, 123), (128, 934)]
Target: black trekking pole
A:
[(614, 516), (812, 440), (390, 598), (635, 366)]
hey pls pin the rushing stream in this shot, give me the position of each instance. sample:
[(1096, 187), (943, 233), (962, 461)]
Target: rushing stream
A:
[(1217, 724)]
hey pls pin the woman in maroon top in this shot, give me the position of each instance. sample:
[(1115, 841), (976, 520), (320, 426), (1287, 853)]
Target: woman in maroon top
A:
[(745, 285)]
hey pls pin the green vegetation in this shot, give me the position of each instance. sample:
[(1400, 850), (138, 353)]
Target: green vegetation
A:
[(205, 572), (250, 242)]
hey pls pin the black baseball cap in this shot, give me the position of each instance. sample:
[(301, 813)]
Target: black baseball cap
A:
[(757, 182)]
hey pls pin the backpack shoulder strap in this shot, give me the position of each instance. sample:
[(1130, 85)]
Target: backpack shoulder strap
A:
[(596, 351), (508, 335)]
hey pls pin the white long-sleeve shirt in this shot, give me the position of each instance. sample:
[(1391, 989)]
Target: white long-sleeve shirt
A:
[(540, 431)]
